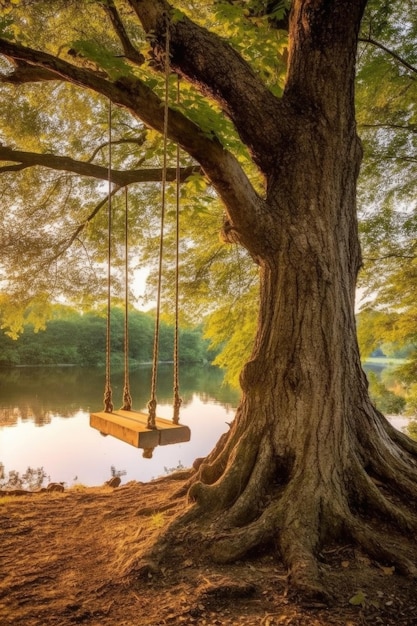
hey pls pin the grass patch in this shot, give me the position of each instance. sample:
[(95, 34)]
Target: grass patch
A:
[(78, 487)]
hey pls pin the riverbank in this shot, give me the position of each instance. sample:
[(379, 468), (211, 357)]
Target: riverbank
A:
[(68, 558)]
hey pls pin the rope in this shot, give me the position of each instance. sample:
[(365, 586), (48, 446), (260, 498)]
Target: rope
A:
[(108, 404), (127, 398), (177, 400), (153, 401)]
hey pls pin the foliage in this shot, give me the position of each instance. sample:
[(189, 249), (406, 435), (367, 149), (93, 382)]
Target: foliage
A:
[(393, 334), (43, 265), (384, 399), (411, 399), (171, 470), (30, 480), (412, 429), (248, 28), (387, 121), (231, 328), (76, 339), (115, 473), (387, 116)]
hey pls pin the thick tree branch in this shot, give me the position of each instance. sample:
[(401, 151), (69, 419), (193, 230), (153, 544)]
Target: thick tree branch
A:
[(223, 170), (120, 178), (26, 73), (211, 64), (132, 94)]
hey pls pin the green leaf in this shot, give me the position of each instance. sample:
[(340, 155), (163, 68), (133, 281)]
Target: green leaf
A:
[(102, 57), (177, 16), (5, 24), (359, 599)]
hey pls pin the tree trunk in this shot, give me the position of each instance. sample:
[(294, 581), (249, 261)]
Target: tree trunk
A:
[(308, 459), (307, 451)]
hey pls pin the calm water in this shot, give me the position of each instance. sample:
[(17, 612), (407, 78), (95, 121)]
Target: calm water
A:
[(44, 421)]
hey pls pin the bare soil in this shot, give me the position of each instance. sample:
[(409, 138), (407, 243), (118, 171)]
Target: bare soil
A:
[(68, 558)]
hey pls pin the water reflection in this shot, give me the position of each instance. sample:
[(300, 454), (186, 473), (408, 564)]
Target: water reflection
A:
[(60, 400), (37, 394)]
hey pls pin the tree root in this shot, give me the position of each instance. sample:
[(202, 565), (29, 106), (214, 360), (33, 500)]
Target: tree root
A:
[(377, 548), (390, 456), (229, 487), (375, 502), (406, 443), (305, 578), (211, 468), (214, 465), (238, 506), (299, 545), (248, 504), (395, 473), (238, 543), (297, 553)]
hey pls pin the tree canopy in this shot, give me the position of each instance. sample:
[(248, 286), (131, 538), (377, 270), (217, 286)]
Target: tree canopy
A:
[(74, 339), (60, 150), (387, 117)]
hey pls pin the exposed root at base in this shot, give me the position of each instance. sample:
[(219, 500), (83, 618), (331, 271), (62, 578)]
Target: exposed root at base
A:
[(377, 546), (298, 513)]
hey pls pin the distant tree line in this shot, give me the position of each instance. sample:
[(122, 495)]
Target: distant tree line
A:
[(391, 337), (80, 339)]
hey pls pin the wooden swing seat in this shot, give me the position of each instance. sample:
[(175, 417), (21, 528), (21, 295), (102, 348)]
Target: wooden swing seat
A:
[(131, 427)]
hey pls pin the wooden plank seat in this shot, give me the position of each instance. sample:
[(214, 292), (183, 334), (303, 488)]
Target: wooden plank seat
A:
[(131, 427)]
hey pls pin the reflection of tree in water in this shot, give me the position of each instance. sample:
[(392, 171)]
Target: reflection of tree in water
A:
[(9, 416), (37, 394), (37, 413)]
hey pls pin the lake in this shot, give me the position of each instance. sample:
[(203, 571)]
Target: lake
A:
[(44, 421)]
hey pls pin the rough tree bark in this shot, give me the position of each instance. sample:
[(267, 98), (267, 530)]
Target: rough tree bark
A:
[(308, 459), (307, 451)]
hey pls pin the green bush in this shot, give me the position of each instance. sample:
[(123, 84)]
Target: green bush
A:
[(385, 400), (81, 340)]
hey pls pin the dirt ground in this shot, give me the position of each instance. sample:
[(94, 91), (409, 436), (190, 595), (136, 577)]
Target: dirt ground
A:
[(67, 558)]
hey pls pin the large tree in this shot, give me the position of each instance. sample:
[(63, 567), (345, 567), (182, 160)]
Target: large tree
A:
[(308, 459)]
